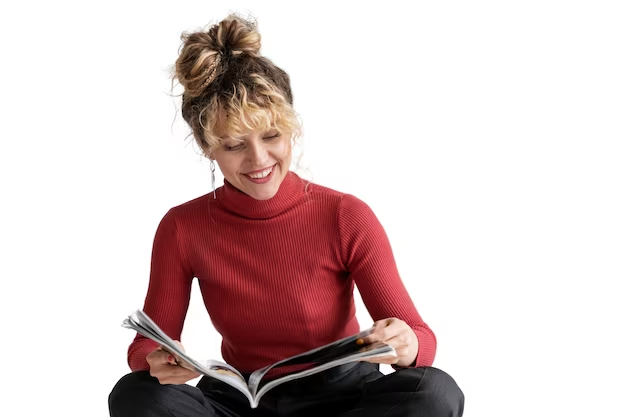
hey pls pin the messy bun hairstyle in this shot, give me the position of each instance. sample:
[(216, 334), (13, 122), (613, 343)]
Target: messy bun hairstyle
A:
[(229, 88)]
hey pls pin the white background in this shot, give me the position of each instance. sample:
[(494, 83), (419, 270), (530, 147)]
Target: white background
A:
[(488, 136)]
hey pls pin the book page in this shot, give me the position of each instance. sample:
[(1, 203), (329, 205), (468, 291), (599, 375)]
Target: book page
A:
[(377, 349), (338, 350), (142, 324), (228, 374)]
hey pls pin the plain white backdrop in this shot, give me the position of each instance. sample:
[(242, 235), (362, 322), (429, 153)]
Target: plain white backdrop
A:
[(488, 137)]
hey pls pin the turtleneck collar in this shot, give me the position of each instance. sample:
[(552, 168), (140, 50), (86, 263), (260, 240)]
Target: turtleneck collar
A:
[(289, 193)]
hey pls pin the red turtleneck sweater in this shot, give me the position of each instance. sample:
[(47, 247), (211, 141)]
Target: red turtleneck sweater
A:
[(276, 275)]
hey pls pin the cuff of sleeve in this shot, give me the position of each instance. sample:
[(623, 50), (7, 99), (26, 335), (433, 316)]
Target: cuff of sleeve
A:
[(137, 353)]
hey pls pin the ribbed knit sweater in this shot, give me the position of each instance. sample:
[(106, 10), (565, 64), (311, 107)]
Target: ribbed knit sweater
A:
[(276, 276)]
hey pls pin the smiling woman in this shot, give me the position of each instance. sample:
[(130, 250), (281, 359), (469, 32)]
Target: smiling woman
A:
[(276, 259), (239, 106), (256, 163)]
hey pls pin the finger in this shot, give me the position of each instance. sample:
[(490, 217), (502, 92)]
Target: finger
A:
[(388, 360), (406, 346), (176, 379), (400, 340), (401, 353), (167, 350), (381, 331), (377, 332), (401, 348), (380, 325), (395, 327), (167, 374), (171, 357), (157, 357)]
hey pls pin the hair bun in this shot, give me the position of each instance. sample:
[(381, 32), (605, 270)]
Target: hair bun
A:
[(205, 54), (236, 35)]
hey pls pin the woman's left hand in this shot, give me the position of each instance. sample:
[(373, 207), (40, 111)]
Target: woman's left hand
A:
[(400, 336)]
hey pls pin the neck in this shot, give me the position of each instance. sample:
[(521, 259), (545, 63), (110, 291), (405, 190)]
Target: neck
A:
[(289, 193)]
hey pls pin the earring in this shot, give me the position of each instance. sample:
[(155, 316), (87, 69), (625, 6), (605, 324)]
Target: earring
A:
[(212, 166)]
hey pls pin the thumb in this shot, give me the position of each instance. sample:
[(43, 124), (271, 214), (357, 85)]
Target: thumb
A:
[(180, 345), (380, 324), (377, 333)]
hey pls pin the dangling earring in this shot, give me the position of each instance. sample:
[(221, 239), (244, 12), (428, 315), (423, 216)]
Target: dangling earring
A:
[(212, 166)]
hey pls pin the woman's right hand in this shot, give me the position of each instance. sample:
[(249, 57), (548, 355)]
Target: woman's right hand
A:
[(163, 366)]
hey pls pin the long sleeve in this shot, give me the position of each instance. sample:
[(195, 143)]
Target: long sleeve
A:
[(169, 290), (367, 255)]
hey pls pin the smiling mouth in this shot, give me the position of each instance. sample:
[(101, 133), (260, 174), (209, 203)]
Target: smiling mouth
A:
[(261, 174)]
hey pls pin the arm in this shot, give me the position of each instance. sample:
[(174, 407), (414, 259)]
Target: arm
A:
[(169, 291), (367, 254)]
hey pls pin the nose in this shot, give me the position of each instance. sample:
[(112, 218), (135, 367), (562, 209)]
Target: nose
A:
[(257, 153)]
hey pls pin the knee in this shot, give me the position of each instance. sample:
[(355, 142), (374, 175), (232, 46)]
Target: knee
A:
[(133, 392), (442, 392)]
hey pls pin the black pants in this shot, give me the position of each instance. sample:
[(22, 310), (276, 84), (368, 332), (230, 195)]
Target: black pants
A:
[(347, 391)]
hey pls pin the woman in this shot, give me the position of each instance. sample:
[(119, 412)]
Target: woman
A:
[(276, 260)]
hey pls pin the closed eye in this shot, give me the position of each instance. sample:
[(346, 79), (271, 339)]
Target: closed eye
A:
[(233, 147), (274, 136)]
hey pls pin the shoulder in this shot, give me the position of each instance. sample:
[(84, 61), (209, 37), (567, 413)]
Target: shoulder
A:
[(314, 189), (188, 211), (343, 202), (356, 212), (193, 204), (317, 190)]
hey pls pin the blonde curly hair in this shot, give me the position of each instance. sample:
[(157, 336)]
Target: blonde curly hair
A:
[(229, 88)]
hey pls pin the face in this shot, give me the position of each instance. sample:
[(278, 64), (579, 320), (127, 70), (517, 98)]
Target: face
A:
[(256, 164)]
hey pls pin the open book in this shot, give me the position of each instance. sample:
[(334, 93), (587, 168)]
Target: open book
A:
[(349, 349)]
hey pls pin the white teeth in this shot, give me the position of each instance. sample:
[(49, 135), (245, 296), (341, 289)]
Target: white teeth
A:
[(261, 174)]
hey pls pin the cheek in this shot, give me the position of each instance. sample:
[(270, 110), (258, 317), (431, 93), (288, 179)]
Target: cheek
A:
[(227, 164), (284, 150)]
